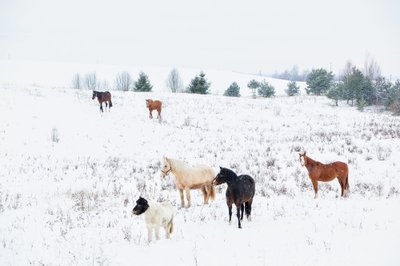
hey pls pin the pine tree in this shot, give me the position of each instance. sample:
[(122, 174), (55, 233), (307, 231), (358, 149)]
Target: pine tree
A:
[(233, 90), (143, 83), (266, 89), (381, 89), (292, 88), (253, 85), (336, 92), (319, 81), (393, 99), (199, 84)]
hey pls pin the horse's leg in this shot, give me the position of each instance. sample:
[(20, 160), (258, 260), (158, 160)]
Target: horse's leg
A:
[(101, 107), (229, 210), (341, 185), (238, 207), (182, 200), (346, 186), (241, 211), (157, 229), (315, 185), (159, 113), (248, 209), (187, 190), (167, 228), (205, 194), (151, 115), (149, 232)]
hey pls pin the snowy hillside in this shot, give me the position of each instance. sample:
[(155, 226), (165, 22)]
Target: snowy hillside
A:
[(69, 177)]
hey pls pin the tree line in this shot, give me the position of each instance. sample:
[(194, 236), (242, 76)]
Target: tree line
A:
[(199, 84), (355, 87)]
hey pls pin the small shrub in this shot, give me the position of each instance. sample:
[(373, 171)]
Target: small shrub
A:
[(54, 135), (383, 153)]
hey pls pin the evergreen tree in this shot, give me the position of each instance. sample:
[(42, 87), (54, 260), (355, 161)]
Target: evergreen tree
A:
[(292, 88), (253, 85), (199, 84), (336, 92), (381, 89), (393, 99), (319, 81), (359, 88), (233, 90), (143, 83), (266, 89)]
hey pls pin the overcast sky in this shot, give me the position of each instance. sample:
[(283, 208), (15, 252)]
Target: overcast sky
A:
[(248, 36)]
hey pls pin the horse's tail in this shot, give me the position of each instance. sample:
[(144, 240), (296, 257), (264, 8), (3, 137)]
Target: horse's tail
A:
[(347, 187), (171, 225), (110, 103)]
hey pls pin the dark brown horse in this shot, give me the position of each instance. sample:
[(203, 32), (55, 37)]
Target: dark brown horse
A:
[(240, 191), (154, 105), (326, 172), (103, 97)]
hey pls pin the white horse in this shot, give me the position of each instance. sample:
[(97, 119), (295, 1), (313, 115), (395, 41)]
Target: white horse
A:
[(156, 214), (188, 177)]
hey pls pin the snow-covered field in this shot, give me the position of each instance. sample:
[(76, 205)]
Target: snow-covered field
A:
[(69, 178)]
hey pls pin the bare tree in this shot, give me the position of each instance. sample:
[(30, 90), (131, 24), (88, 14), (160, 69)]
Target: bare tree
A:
[(174, 82), (346, 71), (91, 81), (77, 82), (124, 81), (371, 68)]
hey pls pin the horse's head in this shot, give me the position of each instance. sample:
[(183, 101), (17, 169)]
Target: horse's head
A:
[(303, 158), (141, 206), (94, 95), (167, 168), (148, 102), (222, 177)]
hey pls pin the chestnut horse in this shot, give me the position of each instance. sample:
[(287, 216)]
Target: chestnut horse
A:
[(154, 105), (103, 97), (326, 172), (190, 177)]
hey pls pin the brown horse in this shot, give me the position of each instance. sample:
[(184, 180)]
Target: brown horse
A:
[(103, 97), (154, 105), (326, 172)]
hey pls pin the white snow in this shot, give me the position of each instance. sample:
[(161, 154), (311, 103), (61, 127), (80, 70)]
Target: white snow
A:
[(69, 202)]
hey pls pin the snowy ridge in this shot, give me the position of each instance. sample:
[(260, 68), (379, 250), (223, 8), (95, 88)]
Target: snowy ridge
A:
[(59, 75)]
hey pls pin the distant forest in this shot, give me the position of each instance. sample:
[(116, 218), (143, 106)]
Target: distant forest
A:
[(292, 74)]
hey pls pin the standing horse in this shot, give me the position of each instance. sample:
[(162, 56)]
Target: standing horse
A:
[(103, 97), (156, 214), (154, 105), (326, 172), (240, 191), (188, 177)]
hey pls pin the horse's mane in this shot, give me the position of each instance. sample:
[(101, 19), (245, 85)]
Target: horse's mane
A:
[(229, 173), (177, 164), (312, 161)]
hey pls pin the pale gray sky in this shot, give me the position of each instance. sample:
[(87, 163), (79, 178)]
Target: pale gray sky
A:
[(227, 35)]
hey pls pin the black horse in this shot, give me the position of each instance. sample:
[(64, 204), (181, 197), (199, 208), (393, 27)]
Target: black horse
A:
[(102, 97), (240, 191)]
